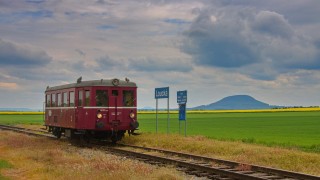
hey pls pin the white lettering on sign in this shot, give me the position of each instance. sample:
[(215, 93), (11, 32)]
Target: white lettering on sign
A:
[(162, 92), (182, 97)]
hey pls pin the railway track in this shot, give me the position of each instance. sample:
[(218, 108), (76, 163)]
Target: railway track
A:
[(200, 166), (27, 131), (211, 167)]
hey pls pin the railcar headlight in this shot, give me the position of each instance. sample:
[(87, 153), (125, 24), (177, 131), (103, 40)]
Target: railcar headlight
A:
[(99, 115), (132, 115)]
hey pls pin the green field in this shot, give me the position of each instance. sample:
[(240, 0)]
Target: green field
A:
[(12, 119), (287, 129)]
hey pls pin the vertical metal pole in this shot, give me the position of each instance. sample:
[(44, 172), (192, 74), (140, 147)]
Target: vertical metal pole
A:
[(156, 115), (179, 120), (185, 123), (168, 118), (43, 111)]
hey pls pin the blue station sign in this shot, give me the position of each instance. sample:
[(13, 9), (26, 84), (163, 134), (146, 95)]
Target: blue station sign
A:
[(181, 97), (161, 93)]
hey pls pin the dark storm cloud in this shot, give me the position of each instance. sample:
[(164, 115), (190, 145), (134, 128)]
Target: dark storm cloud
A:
[(154, 64), (218, 43), (16, 55), (143, 64), (245, 38), (107, 63), (296, 11)]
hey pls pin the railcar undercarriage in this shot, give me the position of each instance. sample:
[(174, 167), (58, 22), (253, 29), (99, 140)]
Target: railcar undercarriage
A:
[(87, 135)]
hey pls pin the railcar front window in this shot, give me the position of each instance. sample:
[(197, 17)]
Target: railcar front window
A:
[(101, 98), (48, 100), (65, 99), (59, 100), (71, 96), (87, 103), (128, 98)]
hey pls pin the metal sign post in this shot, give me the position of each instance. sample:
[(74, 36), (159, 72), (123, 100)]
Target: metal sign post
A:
[(158, 94), (156, 115), (182, 102)]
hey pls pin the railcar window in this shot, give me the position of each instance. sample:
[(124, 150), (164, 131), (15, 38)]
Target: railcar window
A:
[(101, 98), (48, 100), (71, 96), (128, 99), (87, 103), (59, 100), (53, 99), (80, 97), (65, 99), (114, 92)]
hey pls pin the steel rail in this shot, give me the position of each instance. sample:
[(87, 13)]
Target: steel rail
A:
[(252, 167), (204, 166), (27, 131)]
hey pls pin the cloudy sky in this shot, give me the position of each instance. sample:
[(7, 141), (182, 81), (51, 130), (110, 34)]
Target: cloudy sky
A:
[(212, 48)]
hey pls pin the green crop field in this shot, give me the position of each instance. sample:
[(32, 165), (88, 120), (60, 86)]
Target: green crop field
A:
[(11, 119), (287, 129)]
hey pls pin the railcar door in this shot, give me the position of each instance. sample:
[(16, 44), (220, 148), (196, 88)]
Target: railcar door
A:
[(102, 105), (115, 108), (80, 112)]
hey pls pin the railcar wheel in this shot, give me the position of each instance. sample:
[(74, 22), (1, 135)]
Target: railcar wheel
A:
[(114, 139), (56, 132), (117, 136)]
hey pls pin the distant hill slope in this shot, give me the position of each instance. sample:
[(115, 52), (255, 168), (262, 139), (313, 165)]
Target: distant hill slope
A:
[(236, 102)]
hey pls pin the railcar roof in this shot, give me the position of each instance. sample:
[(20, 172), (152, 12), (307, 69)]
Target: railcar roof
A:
[(102, 82)]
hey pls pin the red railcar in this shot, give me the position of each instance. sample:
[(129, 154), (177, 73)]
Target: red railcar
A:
[(97, 108)]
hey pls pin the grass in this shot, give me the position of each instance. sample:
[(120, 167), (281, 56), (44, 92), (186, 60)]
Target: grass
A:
[(40, 158), (285, 129), (12, 119), (235, 136), (4, 165), (301, 109), (19, 113), (289, 159)]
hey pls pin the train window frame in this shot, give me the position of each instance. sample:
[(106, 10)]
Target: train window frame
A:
[(71, 99), (102, 99), (128, 102), (87, 97), (48, 100), (53, 100), (80, 98), (59, 97), (64, 99)]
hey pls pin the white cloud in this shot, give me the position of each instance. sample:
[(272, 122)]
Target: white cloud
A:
[(267, 49), (261, 44)]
